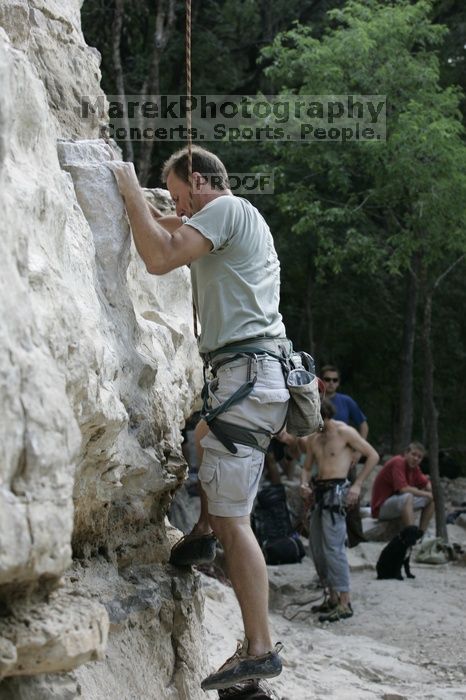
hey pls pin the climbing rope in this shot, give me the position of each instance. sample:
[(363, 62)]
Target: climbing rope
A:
[(188, 97), (189, 122)]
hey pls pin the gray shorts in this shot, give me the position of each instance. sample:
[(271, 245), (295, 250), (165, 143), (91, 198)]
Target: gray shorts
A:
[(230, 481), (392, 507), (327, 534)]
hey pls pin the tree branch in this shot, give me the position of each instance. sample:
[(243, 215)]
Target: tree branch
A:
[(447, 271)]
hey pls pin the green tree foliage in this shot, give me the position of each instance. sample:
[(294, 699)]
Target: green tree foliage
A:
[(452, 14), (227, 37), (351, 221), (364, 211)]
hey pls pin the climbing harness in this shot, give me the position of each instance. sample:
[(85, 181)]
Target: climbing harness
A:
[(330, 494), (303, 416), (253, 351)]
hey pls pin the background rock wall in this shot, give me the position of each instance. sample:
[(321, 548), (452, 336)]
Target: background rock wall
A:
[(96, 379)]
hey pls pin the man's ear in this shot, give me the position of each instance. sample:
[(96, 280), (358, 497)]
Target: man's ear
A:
[(198, 182)]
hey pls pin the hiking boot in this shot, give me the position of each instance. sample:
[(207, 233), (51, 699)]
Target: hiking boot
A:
[(243, 667), (194, 549), (340, 612), (325, 607)]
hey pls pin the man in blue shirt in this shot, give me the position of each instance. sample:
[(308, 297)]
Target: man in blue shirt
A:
[(346, 408), (348, 411)]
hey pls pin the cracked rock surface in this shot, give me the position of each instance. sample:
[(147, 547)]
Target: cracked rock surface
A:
[(98, 372)]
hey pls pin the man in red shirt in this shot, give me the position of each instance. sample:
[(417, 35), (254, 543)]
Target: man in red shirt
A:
[(401, 488)]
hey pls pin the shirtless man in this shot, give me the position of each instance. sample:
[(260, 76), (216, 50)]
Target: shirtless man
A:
[(332, 450)]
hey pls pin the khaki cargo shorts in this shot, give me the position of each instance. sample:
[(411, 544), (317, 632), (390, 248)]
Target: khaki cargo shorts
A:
[(230, 481), (393, 506)]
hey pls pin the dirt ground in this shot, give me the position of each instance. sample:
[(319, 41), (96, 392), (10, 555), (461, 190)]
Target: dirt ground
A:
[(407, 639)]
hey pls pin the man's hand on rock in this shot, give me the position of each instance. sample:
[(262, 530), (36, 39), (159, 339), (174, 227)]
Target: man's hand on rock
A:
[(125, 175)]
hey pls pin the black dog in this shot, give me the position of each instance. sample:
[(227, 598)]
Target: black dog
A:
[(396, 554)]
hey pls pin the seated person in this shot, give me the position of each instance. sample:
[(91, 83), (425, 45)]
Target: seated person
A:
[(401, 488)]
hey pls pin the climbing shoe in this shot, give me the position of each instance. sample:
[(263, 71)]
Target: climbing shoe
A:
[(340, 612), (249, 690), (242, 667), (194, 549)]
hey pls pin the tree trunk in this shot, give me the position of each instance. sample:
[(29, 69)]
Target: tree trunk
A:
[(431, 419), (164, 21), (128, 153), (405, 410), (308, 335)]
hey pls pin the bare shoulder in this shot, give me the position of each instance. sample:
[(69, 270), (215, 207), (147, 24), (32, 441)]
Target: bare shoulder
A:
[(348, 433), (345, 429)]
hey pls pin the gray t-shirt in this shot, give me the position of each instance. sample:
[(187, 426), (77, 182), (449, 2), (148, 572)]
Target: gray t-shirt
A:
[(236, 287)]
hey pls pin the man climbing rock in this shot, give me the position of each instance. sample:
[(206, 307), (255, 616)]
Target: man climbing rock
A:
[(235, 277)]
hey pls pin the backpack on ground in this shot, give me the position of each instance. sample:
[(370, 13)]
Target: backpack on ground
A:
[(271, 523)]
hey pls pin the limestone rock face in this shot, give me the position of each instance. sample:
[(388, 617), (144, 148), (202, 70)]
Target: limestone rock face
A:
[(40, 434), (49, 33), (98, 372)]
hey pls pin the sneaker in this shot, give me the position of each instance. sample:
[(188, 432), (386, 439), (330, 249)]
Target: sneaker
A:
[(194, 549), (325, 607), (340, 612), (243, 667)]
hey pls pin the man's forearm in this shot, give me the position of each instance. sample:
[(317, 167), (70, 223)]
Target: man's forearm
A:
[(363, 429), (416, 492), (149, 236), (305, 476), (371, 462)]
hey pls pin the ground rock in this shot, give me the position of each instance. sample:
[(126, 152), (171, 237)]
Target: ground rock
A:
[(55, 635), (46, 687), (381, 530), (156, 647)]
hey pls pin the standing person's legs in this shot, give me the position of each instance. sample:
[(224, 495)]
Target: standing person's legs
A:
[(333, 543), (199, 546), (230, 481), (318, 557), (315, 546), (248, 575)]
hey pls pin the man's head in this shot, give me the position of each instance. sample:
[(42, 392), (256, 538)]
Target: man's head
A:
[(209, 178), (414, 454), (327, 409), (331, 378)]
